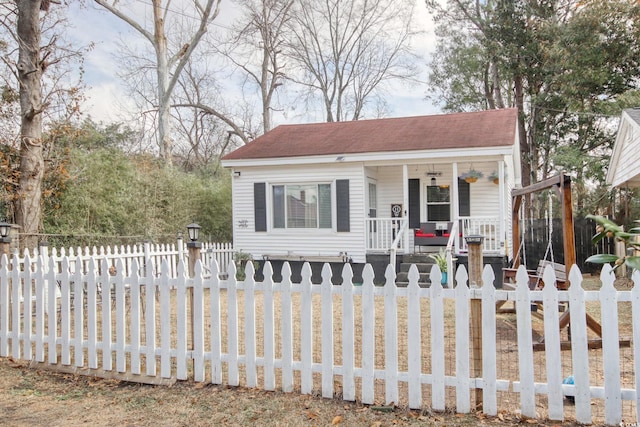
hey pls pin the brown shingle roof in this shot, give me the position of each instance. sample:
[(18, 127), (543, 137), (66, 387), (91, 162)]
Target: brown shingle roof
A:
[(493, 128)]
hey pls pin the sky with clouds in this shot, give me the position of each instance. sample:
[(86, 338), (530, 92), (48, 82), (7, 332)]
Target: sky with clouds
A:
[(107, 98)]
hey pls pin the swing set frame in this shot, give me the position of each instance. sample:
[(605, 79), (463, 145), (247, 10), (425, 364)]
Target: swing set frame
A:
[(562, 184)]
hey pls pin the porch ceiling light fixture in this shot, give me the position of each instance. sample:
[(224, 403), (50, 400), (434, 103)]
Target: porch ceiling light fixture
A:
[(433, 173), (193, 230)]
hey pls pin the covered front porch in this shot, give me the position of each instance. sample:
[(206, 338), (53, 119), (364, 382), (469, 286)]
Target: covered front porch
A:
[(423, 207)]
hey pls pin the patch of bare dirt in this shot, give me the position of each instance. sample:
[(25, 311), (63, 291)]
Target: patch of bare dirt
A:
[(30, 397)]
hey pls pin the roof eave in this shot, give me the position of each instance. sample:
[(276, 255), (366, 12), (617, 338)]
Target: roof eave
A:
[(386, 156)]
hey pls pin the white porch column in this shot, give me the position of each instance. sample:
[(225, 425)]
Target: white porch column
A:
[(405, 204), (454, 199), (502, 190)]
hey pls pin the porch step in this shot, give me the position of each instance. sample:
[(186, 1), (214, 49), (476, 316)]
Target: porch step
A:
[(422, 262)]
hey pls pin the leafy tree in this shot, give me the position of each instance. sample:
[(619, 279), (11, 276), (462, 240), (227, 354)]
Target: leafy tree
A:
[(112, 197), (608, 228), (567, 66)]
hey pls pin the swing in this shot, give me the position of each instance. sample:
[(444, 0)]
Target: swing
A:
[(535, 278), (562, 184)]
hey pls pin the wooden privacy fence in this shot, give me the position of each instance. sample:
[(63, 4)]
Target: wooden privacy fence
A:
[(405, 346)]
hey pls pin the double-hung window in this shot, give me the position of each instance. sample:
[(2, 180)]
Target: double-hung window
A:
[(438, 203), (302, 206)]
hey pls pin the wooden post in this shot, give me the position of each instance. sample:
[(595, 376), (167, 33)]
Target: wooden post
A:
[(474, 243), (5, 247), (568, 237), (194, 256)]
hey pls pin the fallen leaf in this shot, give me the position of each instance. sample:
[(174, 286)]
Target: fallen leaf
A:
[(312, 415), (377, 424), (336, 420)]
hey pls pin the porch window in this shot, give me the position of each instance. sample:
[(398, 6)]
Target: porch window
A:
[(438, 203), (302, 206)]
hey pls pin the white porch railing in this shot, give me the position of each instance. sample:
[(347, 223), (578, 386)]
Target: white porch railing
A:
[(488, 227), (382, 232)]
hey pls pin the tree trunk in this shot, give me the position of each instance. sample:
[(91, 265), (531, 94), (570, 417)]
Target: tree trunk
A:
[(164, 97), (525, 152), (29, 201)]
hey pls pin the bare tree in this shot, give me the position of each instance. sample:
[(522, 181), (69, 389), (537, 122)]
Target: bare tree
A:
[(168, 65), (256, 47), (206, 132), (347, 50), (30, 67)]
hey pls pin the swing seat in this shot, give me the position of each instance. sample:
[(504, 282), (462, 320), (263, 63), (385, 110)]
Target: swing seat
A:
[(559, 269), (535, 276)]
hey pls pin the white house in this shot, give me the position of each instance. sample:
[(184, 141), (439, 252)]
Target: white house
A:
[(624, 167), (353, 191)]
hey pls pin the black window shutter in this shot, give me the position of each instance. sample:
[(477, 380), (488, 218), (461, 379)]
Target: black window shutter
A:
[(342, 205), (414, 203), (464, 198), (260, 205)]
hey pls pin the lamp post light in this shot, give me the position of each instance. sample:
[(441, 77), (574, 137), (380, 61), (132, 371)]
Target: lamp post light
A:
[(193, 247), (193, 231), (5, 240)]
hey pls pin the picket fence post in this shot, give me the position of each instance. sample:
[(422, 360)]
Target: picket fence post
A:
[(368, 335), (348, 338), (232, 327), (268, 329), (463, 369), (552, 346), (287, 326), (327, 332), (525, 344), (635, 312), (488, 324), (250, 327), (579, 347), (436, 300), (390, 337), (215, 330), (414, 344), (610, 347), (198, 324), (306, 331)]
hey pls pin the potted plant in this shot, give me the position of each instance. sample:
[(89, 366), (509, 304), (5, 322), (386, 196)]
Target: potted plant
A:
[(241, 259), (471, 176), (494, 177), (441, 261)]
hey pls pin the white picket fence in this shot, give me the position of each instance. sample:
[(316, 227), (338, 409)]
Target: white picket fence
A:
[(222, 253), (363, 342)]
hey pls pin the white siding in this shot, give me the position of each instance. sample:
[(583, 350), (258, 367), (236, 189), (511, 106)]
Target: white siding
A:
[(302, 242), (627, 159), (484, 193)]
